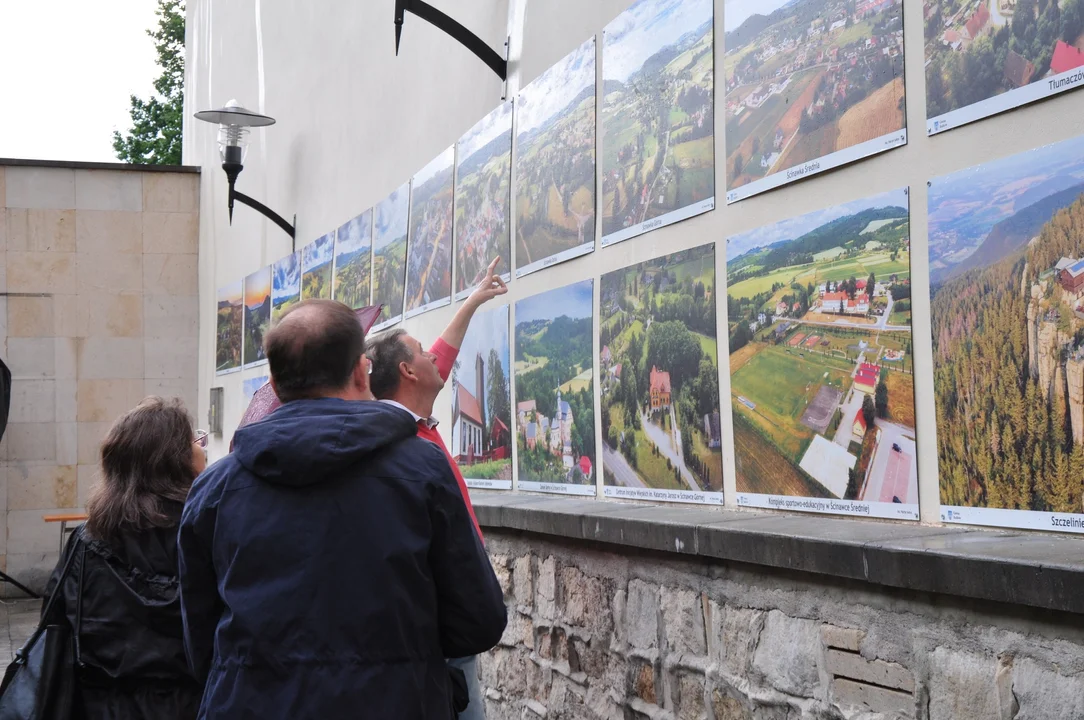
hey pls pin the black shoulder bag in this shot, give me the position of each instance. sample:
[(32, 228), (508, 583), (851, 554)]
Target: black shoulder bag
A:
[(41, 683)]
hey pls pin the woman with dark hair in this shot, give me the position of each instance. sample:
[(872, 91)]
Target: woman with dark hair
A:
[(121, 594)]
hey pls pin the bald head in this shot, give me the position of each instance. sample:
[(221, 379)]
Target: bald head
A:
[(315, 350)]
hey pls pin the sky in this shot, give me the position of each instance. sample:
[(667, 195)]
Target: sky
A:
[(441, 162), (551, 91), (391, 217), (796, 227), (738, 11), (486, 129), (317, 252), (644, 29), (574, 300), (287, 276), (355, 234), (488, 331), (69, 67), (230, 293), (257, 287)]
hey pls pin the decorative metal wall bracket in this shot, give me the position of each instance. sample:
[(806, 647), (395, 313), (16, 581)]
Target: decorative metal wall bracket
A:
[(232, 171), (465, 37)]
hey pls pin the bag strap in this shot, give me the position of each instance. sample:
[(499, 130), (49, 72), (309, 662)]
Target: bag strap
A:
[(79, 600), (48, 609)]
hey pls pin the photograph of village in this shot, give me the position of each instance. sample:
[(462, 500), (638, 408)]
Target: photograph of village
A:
[(821, 371), (657, 115), (228, 338), (353, 261), (808, 78), (316, 260), (483, 194), (389, 254), (1007, 311), (429, 252), (482, 403), (659, 373), (979, 49), (285, 285), (554, 376), (257, 315), (555, 163)]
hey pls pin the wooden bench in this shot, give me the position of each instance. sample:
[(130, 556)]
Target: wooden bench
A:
[(64, 519)]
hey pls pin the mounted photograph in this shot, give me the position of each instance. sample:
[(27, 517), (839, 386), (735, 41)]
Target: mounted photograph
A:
[(228, 328), (285, 285), (658, 120), (659, 377), (316, 267), (429, 251), (390, 219), (810, 85), (353, 261), (821, 361), (257, 315)]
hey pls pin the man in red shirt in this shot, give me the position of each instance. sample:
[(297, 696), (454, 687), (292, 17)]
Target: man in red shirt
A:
[(404, 374)]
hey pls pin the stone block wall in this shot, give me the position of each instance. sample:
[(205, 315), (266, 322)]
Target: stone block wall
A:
[(617, 634), (98, 308)]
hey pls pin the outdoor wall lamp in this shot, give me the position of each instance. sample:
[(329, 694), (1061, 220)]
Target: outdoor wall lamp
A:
[(233, 123), (465, 37)]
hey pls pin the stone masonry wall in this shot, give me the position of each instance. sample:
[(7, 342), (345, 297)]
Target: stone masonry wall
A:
[(614, 634), (98, 308)]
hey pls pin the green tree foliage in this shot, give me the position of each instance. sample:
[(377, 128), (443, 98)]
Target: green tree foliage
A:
[(869, 411), (672, 348), (852, 485), (155, 137), (497, 393), (881, 399)]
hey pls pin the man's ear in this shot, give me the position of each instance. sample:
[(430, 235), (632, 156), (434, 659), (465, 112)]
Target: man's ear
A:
[(359, 378), (406, 371)]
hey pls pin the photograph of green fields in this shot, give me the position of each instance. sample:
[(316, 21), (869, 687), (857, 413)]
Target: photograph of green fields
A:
[(316, 267), (810, 85), (257, 315), (353, 261), (987, 56), (482, 403), (658, 162), (483, 194), (429, 251), (555, 402), (659, 369), (285, 285), (1007, 311), (228, 338), (821, 371), (389, 255), (555, 163)]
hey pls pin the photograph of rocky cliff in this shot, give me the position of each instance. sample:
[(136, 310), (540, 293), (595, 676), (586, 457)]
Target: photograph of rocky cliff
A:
[(1006, 243)]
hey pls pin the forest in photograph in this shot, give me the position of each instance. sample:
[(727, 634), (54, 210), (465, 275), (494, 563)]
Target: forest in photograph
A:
[(316, 267), (979, 49), (1007, 310), (429, 254), (483, 198), (555, 407), (228, 339), (353, 261), (285, 285), (659, 373), (821, 367), (555, 159), (482, 400), (657, 111), (390, 252), (807, 78), (257, 314)]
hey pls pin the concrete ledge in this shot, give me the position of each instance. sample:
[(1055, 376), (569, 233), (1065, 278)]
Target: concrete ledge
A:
[(1038, 570), (76, 165)]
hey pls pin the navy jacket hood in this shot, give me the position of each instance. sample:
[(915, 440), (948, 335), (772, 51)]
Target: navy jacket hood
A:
[(288, 448)]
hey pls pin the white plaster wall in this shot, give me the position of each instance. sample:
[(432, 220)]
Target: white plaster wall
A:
[(354, 122)]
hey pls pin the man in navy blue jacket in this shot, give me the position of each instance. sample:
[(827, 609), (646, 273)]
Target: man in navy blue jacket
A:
[(329, 565)]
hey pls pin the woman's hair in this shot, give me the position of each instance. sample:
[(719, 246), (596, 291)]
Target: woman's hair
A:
[(146, 466)]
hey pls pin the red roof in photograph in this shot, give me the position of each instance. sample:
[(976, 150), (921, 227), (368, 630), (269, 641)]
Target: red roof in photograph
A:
[(1018, 71), (585, 465), (870, 367), (978, 21), (951, 36), (468, 405), (834, 297), (860, 284), (860, 419), (1066, 57), (660, 380)]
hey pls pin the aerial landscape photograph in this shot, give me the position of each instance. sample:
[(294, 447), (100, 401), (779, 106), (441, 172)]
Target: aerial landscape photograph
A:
[(555, 163), (285, 284), (806, 79), (257, 315), (316, 267), (657, 116), (353, 261), (228, 340), (1007, 308), (659, 374), (429, 256), (821, 358), (390, 253)]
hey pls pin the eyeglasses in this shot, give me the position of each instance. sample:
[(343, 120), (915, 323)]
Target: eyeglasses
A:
[(201, 438)]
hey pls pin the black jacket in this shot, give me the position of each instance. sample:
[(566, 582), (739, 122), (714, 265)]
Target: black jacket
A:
[(130, 636), (328, 566)]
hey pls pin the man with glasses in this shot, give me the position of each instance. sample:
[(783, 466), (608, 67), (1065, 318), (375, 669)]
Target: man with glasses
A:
[(328, 565)]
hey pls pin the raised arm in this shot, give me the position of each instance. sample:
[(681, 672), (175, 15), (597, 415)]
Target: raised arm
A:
[(490, 287)]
